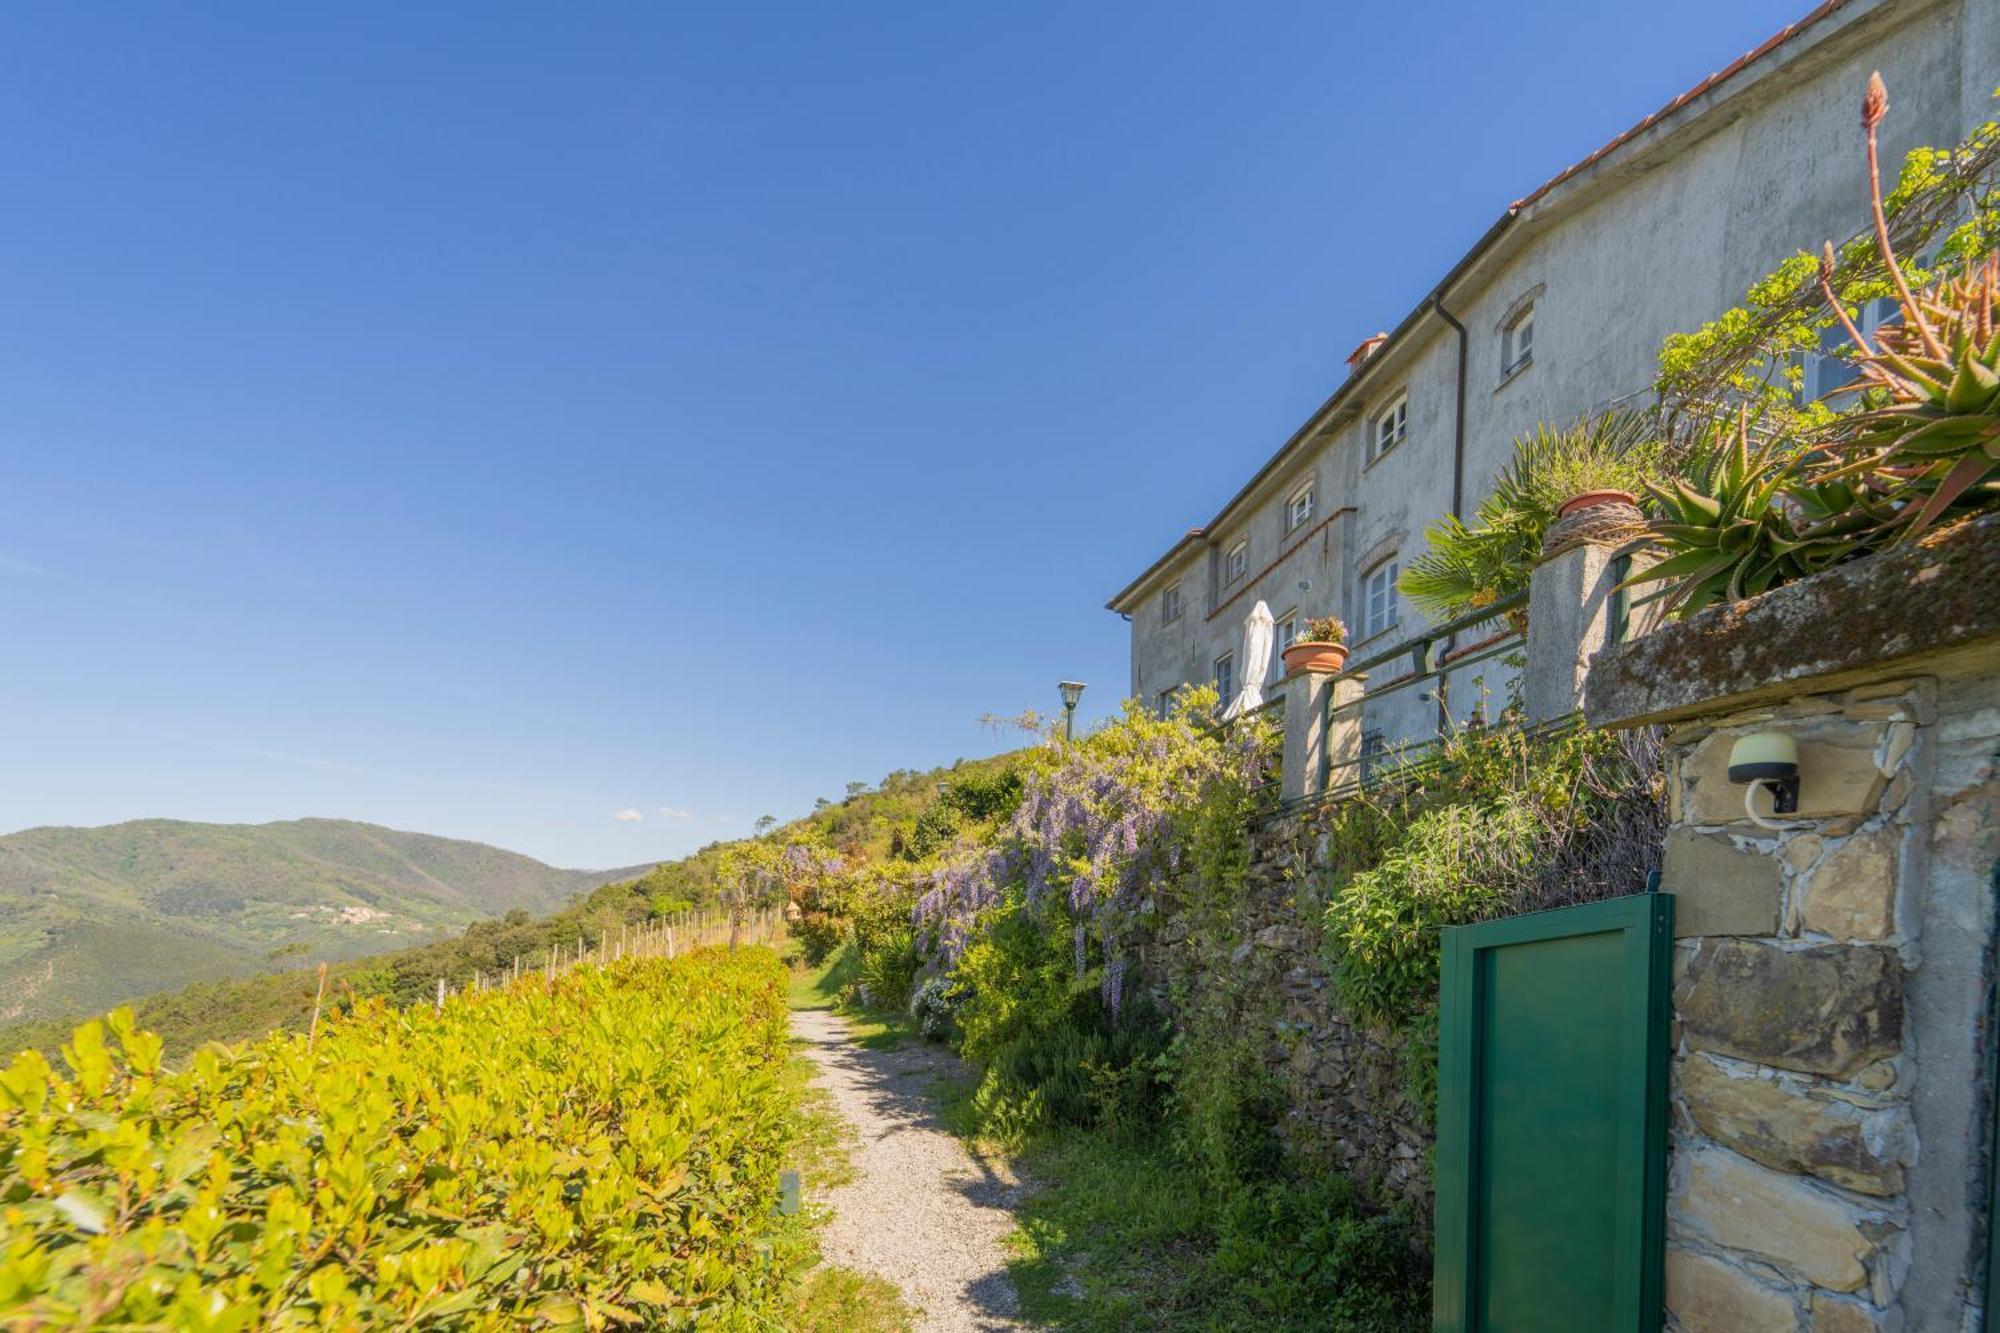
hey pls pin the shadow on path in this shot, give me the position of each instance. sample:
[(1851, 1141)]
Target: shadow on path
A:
[(923, 1211)]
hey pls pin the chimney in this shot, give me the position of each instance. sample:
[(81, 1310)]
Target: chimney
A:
[(1368, 348)]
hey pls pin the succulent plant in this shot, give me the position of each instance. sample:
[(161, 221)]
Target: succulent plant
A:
[(1323, 629), (1927, 436), (1744, 520)]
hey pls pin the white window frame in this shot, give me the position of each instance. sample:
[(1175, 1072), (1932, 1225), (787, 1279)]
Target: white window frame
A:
[(1389, 427), (1170, 603), (1284, 633), (1518, 353), (1299, 509), (1826, 370), (1225, 677), (1381, 609), (1236, 562)]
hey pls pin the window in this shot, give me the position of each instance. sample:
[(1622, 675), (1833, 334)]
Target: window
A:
[(1824, 371), (1287, 635), (1170, 604), (1236, 562), (1390, 427), (1167, 697), (1225, 677), (1517, 342), (1378, 598), (1374, 749), (1299, 509)]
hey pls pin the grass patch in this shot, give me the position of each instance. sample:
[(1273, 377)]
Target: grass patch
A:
[(820, 988), (840, 1300), (822, 1143), (1120, 1236)]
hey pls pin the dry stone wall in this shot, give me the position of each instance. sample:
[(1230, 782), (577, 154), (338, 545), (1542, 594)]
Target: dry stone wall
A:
[(1345, 1084)]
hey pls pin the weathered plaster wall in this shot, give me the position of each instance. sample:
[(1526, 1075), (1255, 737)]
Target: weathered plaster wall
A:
[(1661, 237)]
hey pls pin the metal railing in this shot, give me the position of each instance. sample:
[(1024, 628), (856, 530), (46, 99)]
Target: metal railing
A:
[(1433, 659)]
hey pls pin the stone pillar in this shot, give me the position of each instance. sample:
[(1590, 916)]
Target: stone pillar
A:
[(1343, 732), (1322, 727), (1571, 617), (1831, 1098), (1306, 694)]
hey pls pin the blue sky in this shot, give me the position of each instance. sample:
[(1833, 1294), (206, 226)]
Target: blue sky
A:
[(490, 419)]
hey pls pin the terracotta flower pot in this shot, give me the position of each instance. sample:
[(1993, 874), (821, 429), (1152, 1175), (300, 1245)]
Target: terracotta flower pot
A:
[(1306, 655), (1591, 499)]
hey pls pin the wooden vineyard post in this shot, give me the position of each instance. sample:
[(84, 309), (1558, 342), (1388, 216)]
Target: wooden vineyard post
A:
[(312, 1035)]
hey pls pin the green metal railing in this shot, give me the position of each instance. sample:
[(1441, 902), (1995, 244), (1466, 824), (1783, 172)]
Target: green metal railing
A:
[(1432, 662)]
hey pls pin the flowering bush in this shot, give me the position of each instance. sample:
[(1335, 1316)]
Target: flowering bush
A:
[(1099, 824)]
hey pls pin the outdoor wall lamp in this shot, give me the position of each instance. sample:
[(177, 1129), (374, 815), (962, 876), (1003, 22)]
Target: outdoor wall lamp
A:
[(1072, 690), (1766, 759)]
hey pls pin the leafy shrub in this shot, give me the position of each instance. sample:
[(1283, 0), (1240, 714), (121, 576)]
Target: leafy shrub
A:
[(933, 832), (1019, 980), (934, 1009), (981, 796), (1227, 1105), (889, 971), (601, 1148), (819, 934), (1454, 865), (1308, 1248), (1078, 1073), (882, 917)]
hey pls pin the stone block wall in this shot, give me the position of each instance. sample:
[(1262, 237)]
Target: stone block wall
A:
[(1344, 1082), (1832, 1112)]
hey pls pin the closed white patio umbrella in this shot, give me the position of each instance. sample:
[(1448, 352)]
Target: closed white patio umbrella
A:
[(1258, 633)]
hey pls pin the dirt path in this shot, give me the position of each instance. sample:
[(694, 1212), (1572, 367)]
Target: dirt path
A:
[(922, 1211)]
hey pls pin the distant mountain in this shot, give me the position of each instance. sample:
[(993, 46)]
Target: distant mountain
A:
[(92, 917)]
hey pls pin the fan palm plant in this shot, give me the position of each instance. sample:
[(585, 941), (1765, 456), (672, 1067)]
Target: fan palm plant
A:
[(1466, 566)]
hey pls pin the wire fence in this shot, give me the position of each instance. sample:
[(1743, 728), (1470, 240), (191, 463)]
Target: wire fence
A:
[(664, 937)]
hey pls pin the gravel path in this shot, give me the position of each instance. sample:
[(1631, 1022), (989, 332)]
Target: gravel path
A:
[(922, 1211)]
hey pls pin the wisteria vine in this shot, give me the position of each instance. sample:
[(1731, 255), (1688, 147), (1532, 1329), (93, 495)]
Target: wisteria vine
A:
[(1099, 825)]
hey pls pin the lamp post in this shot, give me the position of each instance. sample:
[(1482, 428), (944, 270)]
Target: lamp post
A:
[(1072, 690)]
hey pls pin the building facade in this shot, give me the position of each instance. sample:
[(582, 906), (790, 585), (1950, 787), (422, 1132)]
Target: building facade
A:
[(1557, 313)]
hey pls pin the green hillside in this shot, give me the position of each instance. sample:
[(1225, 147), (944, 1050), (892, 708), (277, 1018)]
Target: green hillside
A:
[(894, 823), (93, 917)]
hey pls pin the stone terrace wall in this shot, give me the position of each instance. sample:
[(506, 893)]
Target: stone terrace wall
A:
[(1831, 1099), (1344, 1082)]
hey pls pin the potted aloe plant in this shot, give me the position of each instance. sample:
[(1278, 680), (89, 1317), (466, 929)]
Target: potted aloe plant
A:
[(1321, 646)]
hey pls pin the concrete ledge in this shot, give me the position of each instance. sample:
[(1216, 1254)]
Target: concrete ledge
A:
[(1855, 622)]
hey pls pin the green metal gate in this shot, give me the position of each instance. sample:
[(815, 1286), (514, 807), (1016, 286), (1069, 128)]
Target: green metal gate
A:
[(1552, 1108)]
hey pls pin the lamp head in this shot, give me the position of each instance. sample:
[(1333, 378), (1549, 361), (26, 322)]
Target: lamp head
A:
[(1763, 756), (1770, 759), (1072, 690)]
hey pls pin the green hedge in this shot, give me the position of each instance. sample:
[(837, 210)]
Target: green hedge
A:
[(598, 1151)]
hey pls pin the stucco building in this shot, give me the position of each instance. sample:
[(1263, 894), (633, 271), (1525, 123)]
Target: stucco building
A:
[(1557, 312)]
